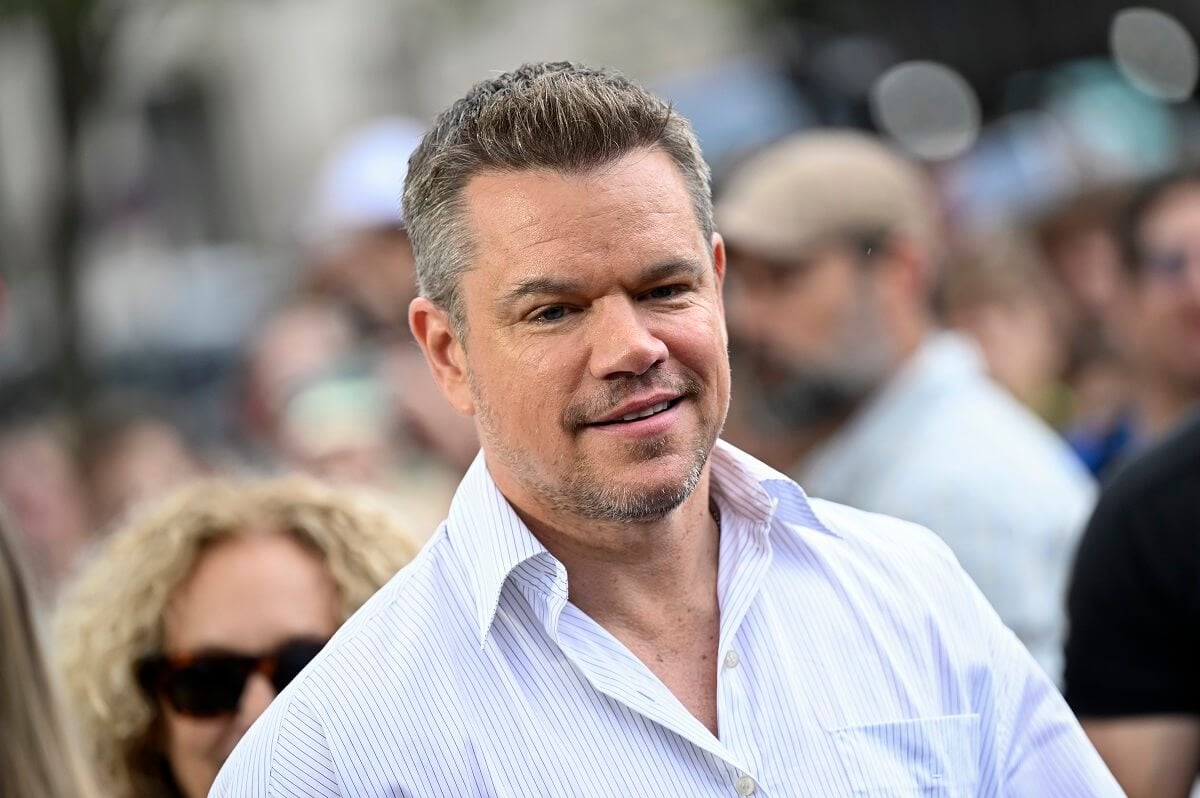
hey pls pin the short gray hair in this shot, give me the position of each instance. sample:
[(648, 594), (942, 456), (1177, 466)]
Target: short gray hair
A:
[(559, 116)]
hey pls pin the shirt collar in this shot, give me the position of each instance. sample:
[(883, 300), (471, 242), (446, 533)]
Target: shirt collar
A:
[(491, 540), (758, 492), (494, 543)]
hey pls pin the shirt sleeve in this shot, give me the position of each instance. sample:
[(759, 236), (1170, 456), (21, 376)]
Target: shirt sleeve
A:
[(1134, 641), (284, 755), (1043, 749), (1031, 743), (1037, 746)]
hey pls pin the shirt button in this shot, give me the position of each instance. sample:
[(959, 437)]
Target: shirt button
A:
[(745, 786), (731, 661)]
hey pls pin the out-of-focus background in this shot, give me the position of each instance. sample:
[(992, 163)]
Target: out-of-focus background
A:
[(203, 271), (197, 233)]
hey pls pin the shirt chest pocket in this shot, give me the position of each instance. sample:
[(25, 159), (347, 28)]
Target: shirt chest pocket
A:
[(928, 757)]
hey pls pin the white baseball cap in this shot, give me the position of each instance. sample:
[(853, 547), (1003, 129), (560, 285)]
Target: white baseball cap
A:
[(362, 183)]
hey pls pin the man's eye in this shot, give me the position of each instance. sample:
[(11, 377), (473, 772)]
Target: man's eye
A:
[(552, 313), (664, 291)]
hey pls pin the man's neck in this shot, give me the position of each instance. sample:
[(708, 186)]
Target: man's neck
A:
[(635, 574), (652, 586)]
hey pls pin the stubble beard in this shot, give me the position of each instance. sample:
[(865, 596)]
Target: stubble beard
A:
[(588, 490), (809, 395)]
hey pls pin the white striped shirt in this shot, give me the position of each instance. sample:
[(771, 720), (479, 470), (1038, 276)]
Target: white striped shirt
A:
[(855, 658), (945, 447)]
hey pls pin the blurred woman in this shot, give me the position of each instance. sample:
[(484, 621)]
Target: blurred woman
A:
[(38, 756), (201, 609)]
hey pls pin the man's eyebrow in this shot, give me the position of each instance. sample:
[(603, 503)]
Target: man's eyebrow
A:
[(557, 286), (534, 286), (686, 267)]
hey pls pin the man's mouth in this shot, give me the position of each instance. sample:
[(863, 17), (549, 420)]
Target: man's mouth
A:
[(637, 415)]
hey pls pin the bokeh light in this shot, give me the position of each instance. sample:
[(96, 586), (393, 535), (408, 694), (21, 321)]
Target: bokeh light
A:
[(928, 108), (1155, 53)]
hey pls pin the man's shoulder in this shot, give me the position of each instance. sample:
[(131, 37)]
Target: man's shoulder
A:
[(399, 640), (288, 732), (879, 539), (883, 554), (880, 561), (1164, 471), (389, 666), (427, 606)]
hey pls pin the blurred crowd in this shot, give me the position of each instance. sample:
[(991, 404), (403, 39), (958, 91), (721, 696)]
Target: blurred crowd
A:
[(989, 377), (981, 383), (328, 383), (1085, 314)]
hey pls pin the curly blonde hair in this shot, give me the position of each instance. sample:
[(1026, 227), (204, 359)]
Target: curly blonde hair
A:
[(112, 616)]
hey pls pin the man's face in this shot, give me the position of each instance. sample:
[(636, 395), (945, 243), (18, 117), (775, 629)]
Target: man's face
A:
[(595, 300), (811, 334), (1166, 299)]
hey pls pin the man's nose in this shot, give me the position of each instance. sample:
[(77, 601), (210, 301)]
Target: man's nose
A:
[(623, 343)]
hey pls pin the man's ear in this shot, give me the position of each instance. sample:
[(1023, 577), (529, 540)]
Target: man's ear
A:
[(909, 269), (444, 352), (719, 265)]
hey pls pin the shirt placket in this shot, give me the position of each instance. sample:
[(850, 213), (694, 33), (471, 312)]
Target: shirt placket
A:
[(747, 554), (613, 670)]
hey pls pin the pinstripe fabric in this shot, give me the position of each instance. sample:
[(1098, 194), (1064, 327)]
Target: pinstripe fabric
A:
[(855, 658), (945, 447)]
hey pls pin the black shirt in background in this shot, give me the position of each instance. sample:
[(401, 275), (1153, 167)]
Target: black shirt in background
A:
[(1133, 646)]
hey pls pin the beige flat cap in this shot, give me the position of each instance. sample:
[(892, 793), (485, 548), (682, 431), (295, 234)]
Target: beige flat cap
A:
[(810, 187)]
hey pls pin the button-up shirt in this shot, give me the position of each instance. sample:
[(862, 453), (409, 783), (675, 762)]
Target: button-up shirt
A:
[(945, 447), (854, 658)]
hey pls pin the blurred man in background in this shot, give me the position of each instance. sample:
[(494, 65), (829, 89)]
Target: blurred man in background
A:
[(1158, 312), (360, 254), (316, 399), (353, 234), (1134, 643), (1134, 613), (833, 260)]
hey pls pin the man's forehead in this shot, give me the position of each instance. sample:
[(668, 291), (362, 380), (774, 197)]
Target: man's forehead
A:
[(1180, 207), (515, 201), (749, 258)]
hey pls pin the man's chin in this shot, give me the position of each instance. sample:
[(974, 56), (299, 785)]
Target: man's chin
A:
[(658, 485), (637, 501)]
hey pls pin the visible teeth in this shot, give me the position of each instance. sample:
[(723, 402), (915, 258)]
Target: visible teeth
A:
[(649, 411)]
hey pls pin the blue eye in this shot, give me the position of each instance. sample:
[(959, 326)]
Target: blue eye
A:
[(552, 313)]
